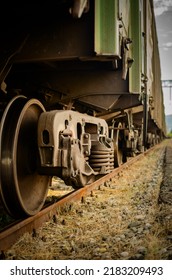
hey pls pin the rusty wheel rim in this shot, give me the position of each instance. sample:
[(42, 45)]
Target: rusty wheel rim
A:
[(23, 190)]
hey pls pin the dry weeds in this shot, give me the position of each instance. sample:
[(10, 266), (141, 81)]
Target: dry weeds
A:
[(121, 220)]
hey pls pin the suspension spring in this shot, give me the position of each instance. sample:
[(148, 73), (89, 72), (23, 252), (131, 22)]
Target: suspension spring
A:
[(102, 161)]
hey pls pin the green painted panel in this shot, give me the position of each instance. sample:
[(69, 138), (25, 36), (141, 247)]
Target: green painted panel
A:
[(106, 28), (136, 48)]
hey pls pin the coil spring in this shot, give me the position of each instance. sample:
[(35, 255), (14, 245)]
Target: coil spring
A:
[(102, 161)]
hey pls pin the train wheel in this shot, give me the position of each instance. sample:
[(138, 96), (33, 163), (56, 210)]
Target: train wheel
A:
[(119, 154), (22, 189)]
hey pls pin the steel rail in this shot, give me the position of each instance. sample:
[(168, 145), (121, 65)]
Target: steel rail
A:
[(10, 235)]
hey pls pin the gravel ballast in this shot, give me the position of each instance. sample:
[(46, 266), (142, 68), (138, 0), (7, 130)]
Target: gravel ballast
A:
[(126, 218)]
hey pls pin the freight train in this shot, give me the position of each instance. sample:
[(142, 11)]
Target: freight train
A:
[(80, 92)]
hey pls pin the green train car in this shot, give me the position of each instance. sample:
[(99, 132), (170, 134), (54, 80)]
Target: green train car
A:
[(80, 92)]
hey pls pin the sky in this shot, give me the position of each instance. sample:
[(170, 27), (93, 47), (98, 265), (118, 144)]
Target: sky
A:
[(163, 16)]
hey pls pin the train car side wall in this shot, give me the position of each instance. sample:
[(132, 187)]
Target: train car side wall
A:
[(106, 33), (145, 73), (136, 47), (158, 112)]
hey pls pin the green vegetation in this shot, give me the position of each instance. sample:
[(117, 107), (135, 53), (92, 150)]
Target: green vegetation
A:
[(170, 134)]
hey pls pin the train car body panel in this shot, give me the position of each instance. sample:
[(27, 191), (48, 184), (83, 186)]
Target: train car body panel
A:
[(87, 55), (81, 57), (135, 71), (107, 28)]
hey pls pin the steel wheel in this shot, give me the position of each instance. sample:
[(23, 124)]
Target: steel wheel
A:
[(23, 190), (119, 155)]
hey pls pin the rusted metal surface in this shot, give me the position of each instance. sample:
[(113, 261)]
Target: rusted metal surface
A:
[(9, 236), (19, 179), (70, 155)]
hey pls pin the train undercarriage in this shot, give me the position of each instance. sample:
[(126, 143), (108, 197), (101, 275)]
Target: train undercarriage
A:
[(36, 145)]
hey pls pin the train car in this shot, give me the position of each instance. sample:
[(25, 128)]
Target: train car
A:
[(80, 92)]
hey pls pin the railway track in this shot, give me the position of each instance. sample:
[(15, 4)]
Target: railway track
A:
[(10, 234)]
